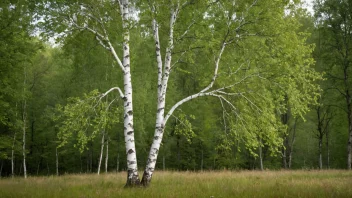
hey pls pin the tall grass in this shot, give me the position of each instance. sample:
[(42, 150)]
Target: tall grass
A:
[(334, 183)]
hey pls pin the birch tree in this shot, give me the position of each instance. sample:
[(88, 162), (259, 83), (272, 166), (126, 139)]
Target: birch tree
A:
[(248, 54)]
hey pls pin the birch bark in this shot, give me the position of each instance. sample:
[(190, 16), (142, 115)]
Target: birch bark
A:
[(101, 151), (132, 170), (24, 119), (162, 88), (107, 155)]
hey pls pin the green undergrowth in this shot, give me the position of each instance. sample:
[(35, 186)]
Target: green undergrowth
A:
[(333, 183)]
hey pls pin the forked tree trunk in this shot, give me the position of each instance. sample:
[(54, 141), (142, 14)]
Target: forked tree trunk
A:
[(163, 77)]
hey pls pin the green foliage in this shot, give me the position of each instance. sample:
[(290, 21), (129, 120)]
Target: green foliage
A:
[(85, 118), (184, 127)]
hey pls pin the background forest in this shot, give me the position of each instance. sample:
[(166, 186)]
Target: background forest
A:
[(47, 124)]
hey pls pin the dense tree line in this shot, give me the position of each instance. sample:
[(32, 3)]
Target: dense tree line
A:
[(250, 85)]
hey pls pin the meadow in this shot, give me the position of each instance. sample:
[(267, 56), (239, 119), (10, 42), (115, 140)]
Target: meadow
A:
[(332, 183)]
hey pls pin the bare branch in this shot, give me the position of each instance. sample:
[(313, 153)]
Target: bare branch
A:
[(251, 102), (216, 69), (187, 30), (110, 90)]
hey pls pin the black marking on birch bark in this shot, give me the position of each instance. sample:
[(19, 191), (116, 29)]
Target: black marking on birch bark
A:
[(156, 43), (124, 128), (157, 49), (161, 99), (131, 125), (160, 109), (160, 86), (130, 133), (124, 117), (131, 162), (130, 151), (130, 140), (127, 104), (124, 47), (156, 137), (124, 98), (127, 56), (156, 151), (130, 112), (127, 65), (149, 160), (160, 129)]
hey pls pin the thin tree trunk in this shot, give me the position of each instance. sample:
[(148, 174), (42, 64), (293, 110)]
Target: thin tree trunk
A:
[(24, 119), (13, 151), (261, 154), (91, 157), (101, 151), (163, 163), (2, 164), (284, 162), (57, 162), (38, 166), (107, 155), (328, 149), (47, 167), (87, 160), (349, 144), (20, 172), (202, 161), (13, 156), (117, 162), (292, 143), (320, 154)]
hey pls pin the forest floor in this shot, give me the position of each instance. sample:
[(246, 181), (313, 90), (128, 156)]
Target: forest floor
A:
[(332, 183)]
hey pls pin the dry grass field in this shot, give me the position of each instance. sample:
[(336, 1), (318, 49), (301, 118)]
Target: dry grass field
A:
[(333, 183)]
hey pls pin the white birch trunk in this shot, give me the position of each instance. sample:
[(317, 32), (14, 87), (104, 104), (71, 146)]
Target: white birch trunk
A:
[(24, 119), (162, 88), (132, 169), (101, 151), (107, 155)]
